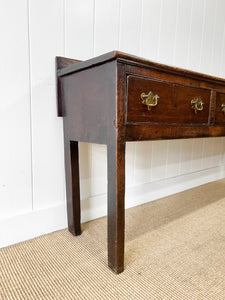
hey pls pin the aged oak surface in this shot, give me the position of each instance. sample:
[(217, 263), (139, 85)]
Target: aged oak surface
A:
[(118, 97)]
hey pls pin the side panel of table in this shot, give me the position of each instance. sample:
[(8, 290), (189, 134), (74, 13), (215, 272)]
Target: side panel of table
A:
[(94, 111)]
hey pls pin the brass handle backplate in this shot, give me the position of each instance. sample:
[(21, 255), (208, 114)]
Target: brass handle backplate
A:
[(150, 100), (223, 108), (197, 104)]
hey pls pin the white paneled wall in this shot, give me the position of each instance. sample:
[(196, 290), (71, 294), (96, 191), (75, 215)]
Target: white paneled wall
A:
[(46, 39), (15, 119), (184, 33)]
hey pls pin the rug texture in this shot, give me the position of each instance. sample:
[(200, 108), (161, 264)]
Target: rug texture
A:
[(175, 249)]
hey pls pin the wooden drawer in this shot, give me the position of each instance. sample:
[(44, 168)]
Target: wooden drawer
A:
[(220, 115), (174, 105)]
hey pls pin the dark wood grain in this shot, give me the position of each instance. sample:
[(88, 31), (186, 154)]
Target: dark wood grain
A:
[(99, 100), (90, 103), (116, 191), (74, 155), (133, 60), (72, 185), (174, 104), (145, 132), (60, 63), (206, 82), (63, 62), (116, 180)]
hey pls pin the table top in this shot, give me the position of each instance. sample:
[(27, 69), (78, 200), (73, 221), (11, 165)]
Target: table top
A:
[(133, 60)]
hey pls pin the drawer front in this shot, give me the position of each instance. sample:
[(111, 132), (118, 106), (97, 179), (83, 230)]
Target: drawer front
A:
[(220, 109), (174, 102)]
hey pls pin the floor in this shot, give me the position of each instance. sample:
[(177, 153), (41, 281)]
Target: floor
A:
[(175, 249)]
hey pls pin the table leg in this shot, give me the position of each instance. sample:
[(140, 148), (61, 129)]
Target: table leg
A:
[(72, 186), (116, 214)]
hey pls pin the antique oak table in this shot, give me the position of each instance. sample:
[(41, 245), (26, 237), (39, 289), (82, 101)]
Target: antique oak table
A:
[(115, 98)]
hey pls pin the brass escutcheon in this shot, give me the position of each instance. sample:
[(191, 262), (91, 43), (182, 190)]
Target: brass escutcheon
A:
[(150, 100), (223, 108), (197, 104)]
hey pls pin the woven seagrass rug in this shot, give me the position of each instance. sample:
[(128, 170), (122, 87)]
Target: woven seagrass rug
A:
[(175, 249)]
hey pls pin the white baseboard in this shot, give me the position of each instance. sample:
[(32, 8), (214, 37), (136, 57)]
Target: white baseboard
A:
[(95, 207), (32, 224), (35, 223)]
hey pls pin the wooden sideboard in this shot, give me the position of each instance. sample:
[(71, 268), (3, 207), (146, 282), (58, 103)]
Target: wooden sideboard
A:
[(115, 98)]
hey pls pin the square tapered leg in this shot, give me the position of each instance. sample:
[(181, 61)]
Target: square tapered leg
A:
[(72, 186), (116, 213)]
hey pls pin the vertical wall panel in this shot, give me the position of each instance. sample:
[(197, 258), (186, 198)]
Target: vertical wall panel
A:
[(79, 29), (130, 26), (182, 33), (173, 158), (99, 169), (207, 37), (106, 27), (151, 10), (218, 37), (15, 150), (129, 159), (159, 157), (218, 150), (46, 41), (207, 158), (186, 154), (196, 32), (85, 161), (142, 163), (222, 64), (167, 31), (197, 152)]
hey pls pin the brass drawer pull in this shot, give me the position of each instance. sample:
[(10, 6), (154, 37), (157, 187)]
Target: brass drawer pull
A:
[(150, 100), (223, 108), (197, 104)]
